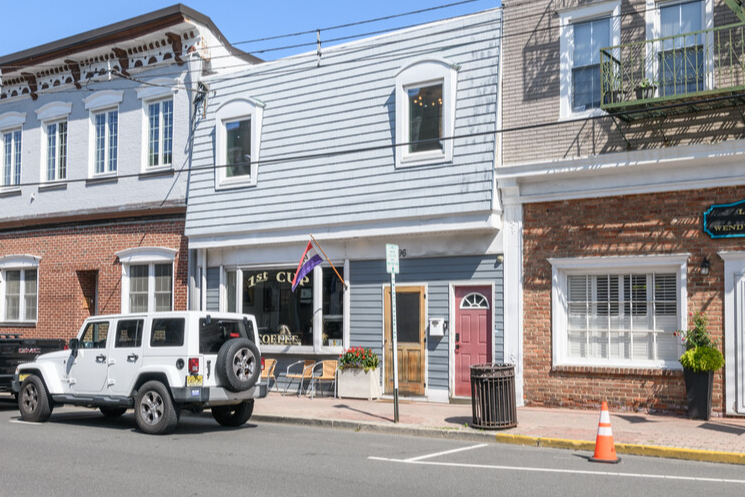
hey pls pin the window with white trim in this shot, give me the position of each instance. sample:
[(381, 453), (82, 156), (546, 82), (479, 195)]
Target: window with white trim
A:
[(19, 289), (622, 316), (106, 141), (147, 279), (583, 32), (104, 111), (54, 124), (56, 133), (425, 112), (11, 146), (151, 287), (680, 62), (237, 139), (160, 133)]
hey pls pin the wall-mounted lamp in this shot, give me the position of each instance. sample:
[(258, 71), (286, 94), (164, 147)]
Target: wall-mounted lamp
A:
[(705, 265)]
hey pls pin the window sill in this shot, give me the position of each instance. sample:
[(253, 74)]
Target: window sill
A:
[(156, 172), (10, 191), (61, 185), (102, 180), (18, 324), (620, 370), (582, 115), (423, 159), (233, 184)]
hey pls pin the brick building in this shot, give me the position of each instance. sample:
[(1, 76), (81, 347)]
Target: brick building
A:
[(95, 158), (641, 134)]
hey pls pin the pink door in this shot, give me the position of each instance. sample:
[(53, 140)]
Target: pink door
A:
[(472, 333)]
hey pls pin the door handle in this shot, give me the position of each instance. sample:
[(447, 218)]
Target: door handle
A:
[(457, 347), (132, 358), (457, 337), (100, 358)]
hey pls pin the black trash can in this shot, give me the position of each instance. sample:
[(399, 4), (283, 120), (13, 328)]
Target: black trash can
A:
[(493, 396)]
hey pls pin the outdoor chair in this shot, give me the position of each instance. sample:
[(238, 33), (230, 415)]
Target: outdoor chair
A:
[(301, 371), (268, 373), (324, 371)]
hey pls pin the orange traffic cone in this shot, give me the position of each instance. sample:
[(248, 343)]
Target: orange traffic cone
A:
[(605, 450)]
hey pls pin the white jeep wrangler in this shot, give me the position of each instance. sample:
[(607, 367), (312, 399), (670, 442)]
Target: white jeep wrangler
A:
[(156, 363)]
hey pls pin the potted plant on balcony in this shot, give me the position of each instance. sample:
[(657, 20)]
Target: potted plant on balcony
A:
[(699, 361), (645, 89), (358, 374)]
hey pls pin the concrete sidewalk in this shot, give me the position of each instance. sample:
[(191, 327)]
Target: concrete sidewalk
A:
[(716, 440)]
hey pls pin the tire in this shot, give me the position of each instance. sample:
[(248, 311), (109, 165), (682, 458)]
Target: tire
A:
[(235, 415), (113, 412), (154, 410), (33, 400), (238, 365)]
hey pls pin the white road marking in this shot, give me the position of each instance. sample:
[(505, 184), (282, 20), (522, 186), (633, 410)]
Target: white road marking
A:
[(413, 459), (552, 470)]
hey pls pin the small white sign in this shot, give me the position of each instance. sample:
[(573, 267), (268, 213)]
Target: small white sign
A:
[(391, 258)]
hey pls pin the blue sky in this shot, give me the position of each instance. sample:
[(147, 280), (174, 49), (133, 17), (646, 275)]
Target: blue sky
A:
[(23, 27)]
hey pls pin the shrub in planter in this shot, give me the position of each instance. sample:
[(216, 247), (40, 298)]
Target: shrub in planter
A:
[(699, 362), (358, 374)]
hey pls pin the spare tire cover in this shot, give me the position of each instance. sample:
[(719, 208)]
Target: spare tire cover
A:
[(238, 364)]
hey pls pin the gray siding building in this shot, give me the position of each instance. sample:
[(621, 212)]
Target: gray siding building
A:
[(386, 140)]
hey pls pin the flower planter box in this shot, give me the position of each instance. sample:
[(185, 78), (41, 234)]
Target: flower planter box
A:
[(645, 92), (698, 393), (355, 383)]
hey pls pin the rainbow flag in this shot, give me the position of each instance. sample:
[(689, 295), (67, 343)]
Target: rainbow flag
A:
[(308, 261)]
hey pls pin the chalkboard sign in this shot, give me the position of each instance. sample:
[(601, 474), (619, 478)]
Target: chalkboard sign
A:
[(726, 220)]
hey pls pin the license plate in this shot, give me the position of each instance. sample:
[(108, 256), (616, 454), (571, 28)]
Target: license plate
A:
[(194, 380), (22, 377)]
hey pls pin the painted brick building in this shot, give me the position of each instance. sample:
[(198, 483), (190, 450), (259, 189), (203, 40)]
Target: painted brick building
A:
[(95, 158), (604, 204)]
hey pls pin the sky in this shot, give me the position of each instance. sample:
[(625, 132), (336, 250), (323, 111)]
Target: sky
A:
[(21, 26)]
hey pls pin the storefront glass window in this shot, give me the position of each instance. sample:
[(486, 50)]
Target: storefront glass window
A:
[(284, 317), (333, 308)]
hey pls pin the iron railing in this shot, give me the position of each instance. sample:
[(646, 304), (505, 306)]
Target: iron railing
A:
[(675, 68)]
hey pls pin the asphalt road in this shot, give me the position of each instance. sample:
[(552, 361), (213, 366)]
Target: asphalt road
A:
[(79, 452)]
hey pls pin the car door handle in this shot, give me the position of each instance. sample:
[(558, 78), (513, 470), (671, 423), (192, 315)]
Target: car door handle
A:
[(100, 358), (132, 358)]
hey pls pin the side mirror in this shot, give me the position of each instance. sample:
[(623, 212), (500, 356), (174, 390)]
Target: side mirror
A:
[(74, 345)]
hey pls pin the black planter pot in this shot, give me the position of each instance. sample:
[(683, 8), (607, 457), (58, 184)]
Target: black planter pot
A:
[(698, 392)]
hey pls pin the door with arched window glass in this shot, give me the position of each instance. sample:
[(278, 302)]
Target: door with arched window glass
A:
[(473, 339)]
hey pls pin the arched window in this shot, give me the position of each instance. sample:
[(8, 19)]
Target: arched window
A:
[(474, 301)]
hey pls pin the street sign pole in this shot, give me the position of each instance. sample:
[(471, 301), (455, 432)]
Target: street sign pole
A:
[(391, 259)]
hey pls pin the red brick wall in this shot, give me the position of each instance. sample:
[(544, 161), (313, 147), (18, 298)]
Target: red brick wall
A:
[(661, 223), (70, 256)]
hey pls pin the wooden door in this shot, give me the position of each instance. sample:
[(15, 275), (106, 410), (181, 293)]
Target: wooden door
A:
[(472, 334), (411, 340)]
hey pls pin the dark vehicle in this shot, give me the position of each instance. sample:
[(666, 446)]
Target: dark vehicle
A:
[(15, 350)]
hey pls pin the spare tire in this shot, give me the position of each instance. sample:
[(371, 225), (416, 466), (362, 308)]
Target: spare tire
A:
[(238, 364)]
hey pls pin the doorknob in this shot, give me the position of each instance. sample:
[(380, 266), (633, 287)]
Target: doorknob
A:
[(457, 347)]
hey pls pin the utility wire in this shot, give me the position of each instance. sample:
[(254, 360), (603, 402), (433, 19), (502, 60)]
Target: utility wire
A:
[(346, 151), (362, 35)]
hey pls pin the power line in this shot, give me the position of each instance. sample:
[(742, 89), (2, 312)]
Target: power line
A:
[(337, 153)]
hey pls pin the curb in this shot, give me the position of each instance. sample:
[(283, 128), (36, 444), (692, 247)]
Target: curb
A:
[(623, 448), (507, 438)]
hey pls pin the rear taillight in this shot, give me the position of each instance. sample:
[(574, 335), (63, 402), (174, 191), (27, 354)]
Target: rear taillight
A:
[(235, 335), (194, 364), (65, 347), (262, 364)]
